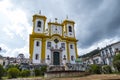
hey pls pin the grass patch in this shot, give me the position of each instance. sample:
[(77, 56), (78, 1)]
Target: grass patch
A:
[(4, 78)]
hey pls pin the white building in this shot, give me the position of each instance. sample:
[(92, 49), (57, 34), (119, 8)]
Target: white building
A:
[(54, 44), (15, 60), (21, 59), (108, 52), (91, 58), (102, 56), (1, 60)]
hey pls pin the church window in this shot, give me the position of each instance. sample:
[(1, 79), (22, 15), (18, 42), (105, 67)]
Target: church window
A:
[(56, 29), (38, 29), (72, 57), (70, 29), (56, 40), (39, 24), (64, 58), (71, 46), (70, 33), (37, 56), (48, 58), (48, 44), (63, 45), (37, 43)]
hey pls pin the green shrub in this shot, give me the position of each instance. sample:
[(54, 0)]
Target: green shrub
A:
[(37, 72), (116, 57), (25, 73), (116, 62), (1, 71), (106, 69), (13, 73), (95, 69), (43, 69), (40, 71), (117, 65), (12, 66)]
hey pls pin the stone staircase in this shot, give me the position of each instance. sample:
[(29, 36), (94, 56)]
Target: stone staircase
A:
[(55, 68), (70, 66)]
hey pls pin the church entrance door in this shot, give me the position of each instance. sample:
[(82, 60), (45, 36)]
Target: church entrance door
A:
[(56, 58)]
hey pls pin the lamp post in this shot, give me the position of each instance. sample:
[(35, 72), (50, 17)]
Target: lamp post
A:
[(78, 63)]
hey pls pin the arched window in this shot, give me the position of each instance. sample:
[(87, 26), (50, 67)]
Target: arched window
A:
[(70, 29), (39, 24), (72, 58), (48, 58), (63, 46), (64, 58), (37, 56), (48, 45), (71, 46), (37, 43)]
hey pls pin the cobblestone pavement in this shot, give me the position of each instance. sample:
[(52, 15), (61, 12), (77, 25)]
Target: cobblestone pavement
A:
[(90, 77)]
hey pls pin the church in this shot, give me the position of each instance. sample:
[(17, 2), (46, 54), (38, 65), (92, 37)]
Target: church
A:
[(52, 43)]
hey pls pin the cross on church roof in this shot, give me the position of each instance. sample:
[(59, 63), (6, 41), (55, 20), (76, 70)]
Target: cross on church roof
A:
[(39, 11), (66, 16), (56, 19)]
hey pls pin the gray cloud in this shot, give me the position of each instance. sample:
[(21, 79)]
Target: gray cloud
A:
[(104, 24)]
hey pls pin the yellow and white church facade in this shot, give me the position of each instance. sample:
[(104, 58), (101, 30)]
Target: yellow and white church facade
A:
[(54, 44)]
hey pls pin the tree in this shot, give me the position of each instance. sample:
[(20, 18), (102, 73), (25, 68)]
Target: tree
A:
[(13, 73), (43, 69), (37, 72), (1, 71), (116, 57), (116, 62), (12, 66), (117, 65), (40, 71), (25, 73), (95, 69), (106, 69), (0, 49)]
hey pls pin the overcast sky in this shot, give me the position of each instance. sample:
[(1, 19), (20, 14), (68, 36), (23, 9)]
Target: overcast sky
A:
[(97, 22)]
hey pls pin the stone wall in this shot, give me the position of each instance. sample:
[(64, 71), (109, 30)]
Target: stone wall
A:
[(64, 74)]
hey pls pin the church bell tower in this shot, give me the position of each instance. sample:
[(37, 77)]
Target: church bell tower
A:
[(69, 28), (39, 23)]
